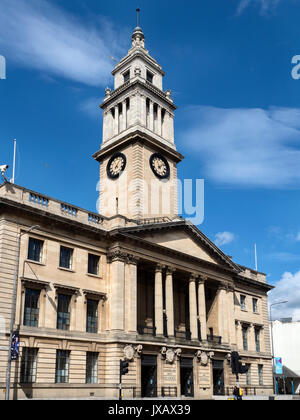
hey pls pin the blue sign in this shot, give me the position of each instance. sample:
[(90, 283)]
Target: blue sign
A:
[(278, 365)]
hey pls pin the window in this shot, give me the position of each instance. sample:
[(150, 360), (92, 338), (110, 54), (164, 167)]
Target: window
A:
[(63, 312), (35, 247), (126, 76), (257, 342), (93, 264), (92, 316), (248, 374), (65, 259), (149, 76), (243, 302), (260, 374), (91, 368), (28, 365), (254, 304), (62, 367), (31, 308), (245, 337)]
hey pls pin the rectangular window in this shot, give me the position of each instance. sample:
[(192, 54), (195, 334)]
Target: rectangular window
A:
[(149, 76), (245, 337), (31, 308), (260, 374), (93, 264), (126, 76), (254, 304), (65, 259), (28, 365), (62, 367), (35, 247), (257, 342), (92, 316), (248, 374), (63, 312), (92, 368), (243, 302)]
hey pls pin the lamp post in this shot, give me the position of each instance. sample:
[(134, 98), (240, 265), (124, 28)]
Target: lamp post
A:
[(273, 376), (13, 309)]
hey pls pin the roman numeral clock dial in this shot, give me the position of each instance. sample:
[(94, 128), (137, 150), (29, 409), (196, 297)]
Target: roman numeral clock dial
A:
[(116, 165), (160, 166)]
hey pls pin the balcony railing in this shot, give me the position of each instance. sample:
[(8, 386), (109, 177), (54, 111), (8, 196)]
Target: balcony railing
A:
[(154, 391), (145, 330), (185, 335), (215, 339)]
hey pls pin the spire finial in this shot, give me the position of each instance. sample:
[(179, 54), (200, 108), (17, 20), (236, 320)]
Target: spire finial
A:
[(138, 15)]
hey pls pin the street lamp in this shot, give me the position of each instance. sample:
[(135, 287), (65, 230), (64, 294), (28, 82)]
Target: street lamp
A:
[(13, 309), (273, 376)]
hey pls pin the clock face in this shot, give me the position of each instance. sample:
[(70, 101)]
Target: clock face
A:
[(116, 165), (160, 166)]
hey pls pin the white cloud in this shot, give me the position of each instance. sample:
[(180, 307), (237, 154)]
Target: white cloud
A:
[(91, 107), (287, 288), (265, 6), (247, 147), (224, 238), (38, 35)]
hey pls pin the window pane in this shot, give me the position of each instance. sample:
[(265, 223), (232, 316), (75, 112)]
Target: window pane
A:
[(93, 264), (28, 365), (126, 76), (35, 250), (92, 368), (65, 260), (243, 302), (92, 316), (62, 367), (31, 309), (63, 312)]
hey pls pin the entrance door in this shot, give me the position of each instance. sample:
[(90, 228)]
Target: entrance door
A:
[(218, 377), (186, 377), (149, 376)]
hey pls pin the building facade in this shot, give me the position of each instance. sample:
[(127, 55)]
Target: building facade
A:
[(286, 341), (133, 282)]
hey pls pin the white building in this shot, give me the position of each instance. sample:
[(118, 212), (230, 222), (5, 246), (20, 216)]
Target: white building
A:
[(286, 341)]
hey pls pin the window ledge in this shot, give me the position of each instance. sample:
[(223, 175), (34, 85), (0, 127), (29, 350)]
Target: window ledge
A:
[(94, 275), (66, 269), (34, 262)]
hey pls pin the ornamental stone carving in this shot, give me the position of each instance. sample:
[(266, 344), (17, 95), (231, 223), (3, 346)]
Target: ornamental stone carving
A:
[(170, 356), (203, 357), (139, 349), (129, 353)]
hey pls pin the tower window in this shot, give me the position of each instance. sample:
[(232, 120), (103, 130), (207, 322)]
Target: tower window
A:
[(126, 76), (149, 76)]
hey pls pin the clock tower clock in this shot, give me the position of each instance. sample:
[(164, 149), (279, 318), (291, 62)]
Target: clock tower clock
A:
[(138, 157)]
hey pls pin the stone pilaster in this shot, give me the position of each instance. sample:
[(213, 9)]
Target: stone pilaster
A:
[(170, 301), (193, 307), (158, 300), (202, 306)]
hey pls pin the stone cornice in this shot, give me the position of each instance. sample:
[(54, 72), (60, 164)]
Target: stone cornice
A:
[(137, 83)]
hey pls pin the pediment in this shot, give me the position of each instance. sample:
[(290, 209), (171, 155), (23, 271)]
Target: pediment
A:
[(185, 238)]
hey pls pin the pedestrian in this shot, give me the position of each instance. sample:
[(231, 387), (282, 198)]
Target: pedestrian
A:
[(236, 393)]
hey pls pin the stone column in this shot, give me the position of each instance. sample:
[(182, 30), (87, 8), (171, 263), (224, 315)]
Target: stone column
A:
[(239, 336), (117, 278), (193, 307), (158, 300), (170, 301), (222, 313), (159, 120), (123, 120), (151, 116), (231, 320), (202, 307), (131, 294), (116, 121)]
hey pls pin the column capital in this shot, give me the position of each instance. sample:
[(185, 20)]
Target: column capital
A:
[(159, 267), (193, 277), (116, 255), (132, 259), (202, 278), (170, 270)]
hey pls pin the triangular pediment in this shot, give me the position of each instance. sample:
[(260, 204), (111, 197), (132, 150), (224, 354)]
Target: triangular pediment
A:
[(185, 238)]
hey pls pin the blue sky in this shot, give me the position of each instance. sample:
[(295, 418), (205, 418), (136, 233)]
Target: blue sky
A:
[(228, 64)]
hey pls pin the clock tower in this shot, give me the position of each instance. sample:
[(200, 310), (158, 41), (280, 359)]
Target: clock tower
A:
[(138, 157)]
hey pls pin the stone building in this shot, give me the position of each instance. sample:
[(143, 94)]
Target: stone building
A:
[(134, 282)]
